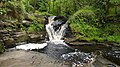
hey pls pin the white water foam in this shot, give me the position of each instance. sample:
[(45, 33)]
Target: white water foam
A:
[(31, 46)]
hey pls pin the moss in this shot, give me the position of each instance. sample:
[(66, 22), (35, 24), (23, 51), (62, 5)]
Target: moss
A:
[(114, 38), (2, 48)]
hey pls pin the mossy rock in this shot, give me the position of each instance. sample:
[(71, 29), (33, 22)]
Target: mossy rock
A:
[(2, 48)]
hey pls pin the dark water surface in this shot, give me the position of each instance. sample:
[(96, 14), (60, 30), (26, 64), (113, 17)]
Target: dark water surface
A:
[(56, 51)]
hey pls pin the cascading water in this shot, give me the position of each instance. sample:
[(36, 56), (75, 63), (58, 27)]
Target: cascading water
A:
[(56, 47), (55, 35)]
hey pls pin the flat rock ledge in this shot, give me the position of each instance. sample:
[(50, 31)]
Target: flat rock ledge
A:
[(21, 58)]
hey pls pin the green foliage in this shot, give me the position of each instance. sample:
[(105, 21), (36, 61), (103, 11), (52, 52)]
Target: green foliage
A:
[(115, 1), (3, 11), (16, 9), (114, 38), (83, 22), (2, 48), (42, 5), (111, 29), (27, 5), (58, 7), (35, 26), (44, 13)]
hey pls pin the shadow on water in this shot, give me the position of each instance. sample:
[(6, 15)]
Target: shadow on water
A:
[(90, 48)]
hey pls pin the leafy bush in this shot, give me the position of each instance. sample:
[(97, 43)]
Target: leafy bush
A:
[(35, 26), (83, 22)]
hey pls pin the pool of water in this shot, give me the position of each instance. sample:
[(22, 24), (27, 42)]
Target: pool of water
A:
[(56, 51)]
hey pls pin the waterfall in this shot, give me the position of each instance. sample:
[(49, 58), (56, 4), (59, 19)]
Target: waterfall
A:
[(56, 31), (55, 35)]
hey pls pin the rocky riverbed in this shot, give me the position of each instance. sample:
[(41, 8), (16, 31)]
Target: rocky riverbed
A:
[(21, 58)]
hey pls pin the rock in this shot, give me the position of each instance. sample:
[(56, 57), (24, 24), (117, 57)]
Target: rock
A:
[(1, 41), (3, 31), (20, 37), (9, 42), (8, 24), (22, 58), (36, 37), (33, 38), (79, 58), (40, 18), (20, 43), (75, 42), (113, 55), (26, 23), (103, 62)]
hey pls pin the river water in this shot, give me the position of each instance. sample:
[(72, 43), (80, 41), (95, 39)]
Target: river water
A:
[(56, 48)]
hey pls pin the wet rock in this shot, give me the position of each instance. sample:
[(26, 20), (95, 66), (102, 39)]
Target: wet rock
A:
[(78, 58), (112, 55), (20, 43), (56, 23)]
